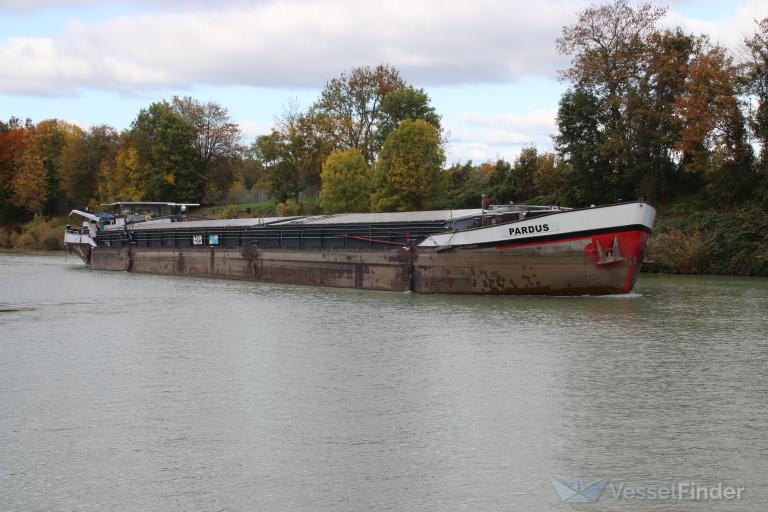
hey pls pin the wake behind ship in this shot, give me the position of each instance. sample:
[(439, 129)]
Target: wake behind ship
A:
[(508, 249)]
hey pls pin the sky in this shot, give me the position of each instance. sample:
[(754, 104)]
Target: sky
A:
[(490, 67)]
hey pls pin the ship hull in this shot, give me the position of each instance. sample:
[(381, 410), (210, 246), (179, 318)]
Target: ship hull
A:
[(557, 267), (561, 267), (593, 251)]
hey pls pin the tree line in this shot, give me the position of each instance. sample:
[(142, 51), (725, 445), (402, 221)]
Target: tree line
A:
[(649, 112)]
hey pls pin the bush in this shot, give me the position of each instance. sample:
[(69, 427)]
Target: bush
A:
[(232, 211), (38, 234), (51, 241), (5, 239), (712, 242), (24, 241), (678, 252), (291, 208)]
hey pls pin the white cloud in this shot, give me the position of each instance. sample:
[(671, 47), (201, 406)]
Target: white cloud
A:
[(488, 137), (35, 65), (480, 136), (37, 5), (477, 153), (292, 44), (252, 129), (538, 120), (729, 31), (295, 43)]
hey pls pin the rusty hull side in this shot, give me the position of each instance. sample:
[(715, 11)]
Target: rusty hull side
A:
[(105, 258), (552, 269), (568, 267), (376, 269)]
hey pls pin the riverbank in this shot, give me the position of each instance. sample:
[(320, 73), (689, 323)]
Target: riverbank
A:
[(686, 239), (36, 235), (703, 241)]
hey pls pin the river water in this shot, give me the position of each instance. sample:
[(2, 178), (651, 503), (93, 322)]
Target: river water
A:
[(131, 392)]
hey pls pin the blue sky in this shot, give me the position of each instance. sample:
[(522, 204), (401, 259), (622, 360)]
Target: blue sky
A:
[(489, 67)]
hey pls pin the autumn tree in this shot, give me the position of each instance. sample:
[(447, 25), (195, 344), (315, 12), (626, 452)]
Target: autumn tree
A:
[(217, 135), (714, 138), (408, 170), (82, 161), (308, 141), (217, 143), (617, 128), (292, 155), (757, 86), (30, 165), (30, 183), (345, 182), (548, 176), (14, 138), (123, 179), (48, 139), (351, 105)]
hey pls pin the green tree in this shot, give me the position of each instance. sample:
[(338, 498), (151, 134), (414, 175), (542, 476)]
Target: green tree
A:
[(409, 167), (522, 175), (292, 155), (579, 140), (274, 153), (345, 182), (309, 145), (252, 171), (402, 104), (217, 144), (82, 161), (48, 140), (217, 135), (170, 162), (757, 86), (461, 187), (500, 183), (350, 106)]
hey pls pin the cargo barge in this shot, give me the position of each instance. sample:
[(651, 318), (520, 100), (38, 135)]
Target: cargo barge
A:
[(507, 249)]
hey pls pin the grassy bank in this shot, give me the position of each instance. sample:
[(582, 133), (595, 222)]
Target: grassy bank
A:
[(690, 240), (38, 234)]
